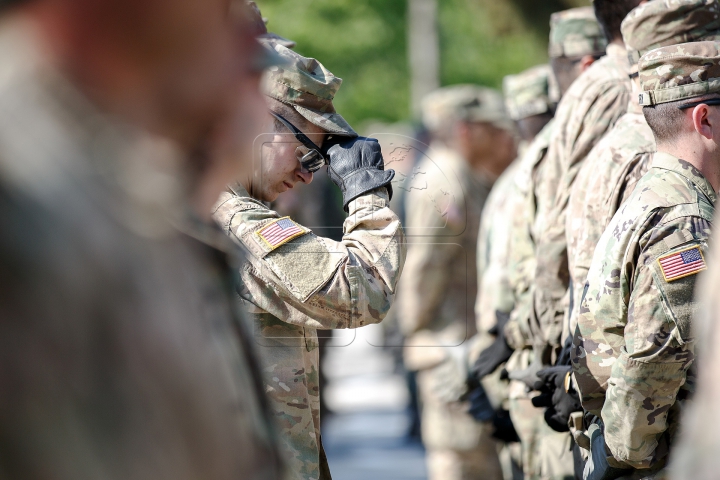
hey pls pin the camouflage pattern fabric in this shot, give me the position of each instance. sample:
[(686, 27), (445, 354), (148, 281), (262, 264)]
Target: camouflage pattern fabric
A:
[(679, 72), (633, 346), (435, 297), (122, 352), (528, 93), (592, 105), (574, 33), (309, 87), (521, 259), (669, 22), (606, 179), (468, 103), (305, 284)]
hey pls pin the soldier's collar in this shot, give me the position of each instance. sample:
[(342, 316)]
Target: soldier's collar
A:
[(687, 170)]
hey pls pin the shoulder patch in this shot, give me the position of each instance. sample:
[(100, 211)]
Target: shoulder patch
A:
[(683, 263), (279, 232)]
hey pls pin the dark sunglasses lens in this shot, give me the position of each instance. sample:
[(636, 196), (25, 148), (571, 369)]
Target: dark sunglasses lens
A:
[(312, 161)]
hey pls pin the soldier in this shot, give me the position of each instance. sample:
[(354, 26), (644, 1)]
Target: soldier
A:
[(586, 112), (472, 142), (121, 352), (293, 281), (528, 101), (621, 158), (575, 40), (633, 340)]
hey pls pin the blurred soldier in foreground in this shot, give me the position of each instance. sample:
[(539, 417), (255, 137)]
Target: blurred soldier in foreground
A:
[(613, 168), (634, 337), (591, 106), (695, 456), (472, 143), (527, 97), (121, 353), (575, 41), (293, 281)]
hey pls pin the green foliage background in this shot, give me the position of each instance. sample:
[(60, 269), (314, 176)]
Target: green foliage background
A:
[(364, 42)]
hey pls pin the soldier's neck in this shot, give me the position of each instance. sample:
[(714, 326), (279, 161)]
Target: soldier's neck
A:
[(706, 160)]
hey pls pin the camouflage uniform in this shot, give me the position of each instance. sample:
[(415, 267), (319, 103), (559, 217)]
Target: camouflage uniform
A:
[(122, 353), (527, 94), (293, 287), (439, 284), (621, 158), (633, 347), (545, 452), (592, 105)]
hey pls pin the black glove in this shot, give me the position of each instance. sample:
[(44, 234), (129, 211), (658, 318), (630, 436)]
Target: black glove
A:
[(357, 166), (497, 353), (559, 402), (482, 410)]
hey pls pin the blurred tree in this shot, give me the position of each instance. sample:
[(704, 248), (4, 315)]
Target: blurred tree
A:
[(364, 42)]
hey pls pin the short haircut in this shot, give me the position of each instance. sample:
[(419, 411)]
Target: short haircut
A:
[(667, 121), (611, 13)]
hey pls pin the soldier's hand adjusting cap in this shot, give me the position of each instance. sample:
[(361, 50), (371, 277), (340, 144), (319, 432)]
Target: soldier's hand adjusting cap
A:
[(357, 166)]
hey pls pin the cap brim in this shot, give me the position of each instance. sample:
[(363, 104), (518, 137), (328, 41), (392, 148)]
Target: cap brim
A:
[(277, 39), (331, 122)]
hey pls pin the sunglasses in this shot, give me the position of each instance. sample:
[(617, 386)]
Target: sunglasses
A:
[(710, 101), (308, 154)]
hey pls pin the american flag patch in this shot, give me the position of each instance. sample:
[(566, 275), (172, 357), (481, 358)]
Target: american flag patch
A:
[(279, 232), (681, 264)]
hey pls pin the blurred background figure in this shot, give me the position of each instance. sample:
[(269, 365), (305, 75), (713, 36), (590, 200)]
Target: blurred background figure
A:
[(122, 355), (529, 104), (574, 36), (472, 142)]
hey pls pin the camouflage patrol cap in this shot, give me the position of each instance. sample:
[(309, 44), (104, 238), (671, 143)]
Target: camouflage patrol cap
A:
[(574, 33), (260, 24), (660, 23), (470, 103), (679, 72), (528, 93), (305, 84)]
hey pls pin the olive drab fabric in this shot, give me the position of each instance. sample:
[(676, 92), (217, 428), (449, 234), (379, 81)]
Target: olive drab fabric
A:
[(633, 348), (528, 93), (309, 283)]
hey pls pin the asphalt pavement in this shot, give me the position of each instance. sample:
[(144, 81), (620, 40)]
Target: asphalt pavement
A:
[(365, 439)]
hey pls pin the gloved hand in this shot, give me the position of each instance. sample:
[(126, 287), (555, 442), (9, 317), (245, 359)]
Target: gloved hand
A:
[(481, 409), (559, 400), (597, 467), (357, 166), (497, 353)]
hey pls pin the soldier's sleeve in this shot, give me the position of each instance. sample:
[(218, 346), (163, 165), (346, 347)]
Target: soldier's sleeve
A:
[(313, 281), (552, 276), (658, 343)]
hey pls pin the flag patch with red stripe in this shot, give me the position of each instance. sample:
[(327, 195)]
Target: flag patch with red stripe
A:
[(681, 264), (280, 231)]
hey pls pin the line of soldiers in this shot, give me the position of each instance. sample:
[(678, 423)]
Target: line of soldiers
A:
[(580, 361)]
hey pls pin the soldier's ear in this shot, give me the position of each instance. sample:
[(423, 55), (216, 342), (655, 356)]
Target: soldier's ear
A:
[(585, 62), (706, 120)]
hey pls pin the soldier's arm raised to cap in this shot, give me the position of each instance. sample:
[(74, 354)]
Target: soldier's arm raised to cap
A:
[(658, 345), (313, 281)]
